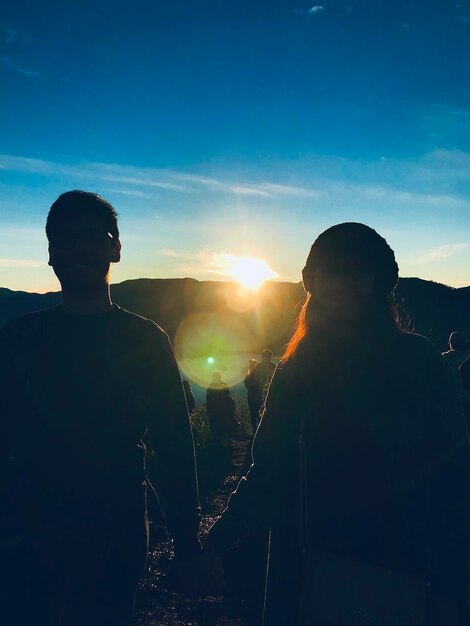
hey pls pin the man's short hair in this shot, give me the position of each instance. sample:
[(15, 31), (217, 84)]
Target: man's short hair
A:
[(267, 353), (76, 202)]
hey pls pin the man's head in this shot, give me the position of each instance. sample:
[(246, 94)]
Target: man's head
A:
[(83, 236), (216, 378), (267, 354)]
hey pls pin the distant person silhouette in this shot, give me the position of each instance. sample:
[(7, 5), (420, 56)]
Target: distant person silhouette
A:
[(459, 351), (252, 394), (359, 461), (188, 392), (220, 407), (257, 381), (464, 372), (80, 384)]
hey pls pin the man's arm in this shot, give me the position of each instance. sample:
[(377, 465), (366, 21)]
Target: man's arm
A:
[(4, 396), (10, 480), (174, 461)]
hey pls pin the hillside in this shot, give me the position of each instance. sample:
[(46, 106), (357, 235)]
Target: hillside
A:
[(262, 319)]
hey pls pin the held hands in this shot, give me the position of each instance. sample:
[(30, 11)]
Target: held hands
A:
[(201, 576)]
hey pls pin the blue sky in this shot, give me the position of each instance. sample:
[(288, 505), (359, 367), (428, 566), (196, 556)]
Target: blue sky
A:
[(225, 128)]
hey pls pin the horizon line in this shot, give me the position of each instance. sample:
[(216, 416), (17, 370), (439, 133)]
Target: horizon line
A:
[(228, 282)]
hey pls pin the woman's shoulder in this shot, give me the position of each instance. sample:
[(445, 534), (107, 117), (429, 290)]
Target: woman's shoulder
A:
[(286, 373), (417, 344), (282, 369), (416, 352)]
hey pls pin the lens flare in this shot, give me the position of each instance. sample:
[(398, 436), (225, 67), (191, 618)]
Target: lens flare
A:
[(238, 298), (204, 340)]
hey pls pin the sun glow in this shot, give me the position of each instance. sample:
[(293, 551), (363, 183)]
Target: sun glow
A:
[(251, 272)]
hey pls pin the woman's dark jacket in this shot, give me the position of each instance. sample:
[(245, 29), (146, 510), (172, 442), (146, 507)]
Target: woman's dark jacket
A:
[(359, 452)]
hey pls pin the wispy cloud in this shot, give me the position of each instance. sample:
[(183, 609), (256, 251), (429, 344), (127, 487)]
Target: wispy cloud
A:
[(274, 189), (199, 180), (431, 199), (13, 41), (264, 189), (437, 180), (445, 122), (9, 34), (177, 254), (148, 178), (32, 166), (222, 186), (17, 263), (130, 192), (199, 262), (22, 233), (216, 264), (451, 165), (233, 209), (147, 182), (247, 191), (317, 8), (8, 62), (451, 110), (210, 261), (400, 197), (439, 253)]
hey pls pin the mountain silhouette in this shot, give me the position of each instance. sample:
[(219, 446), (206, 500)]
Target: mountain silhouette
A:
[(266, 316)]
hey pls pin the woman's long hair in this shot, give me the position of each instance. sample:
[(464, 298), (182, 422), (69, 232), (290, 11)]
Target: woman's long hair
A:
[(299, 332), (383, 317)]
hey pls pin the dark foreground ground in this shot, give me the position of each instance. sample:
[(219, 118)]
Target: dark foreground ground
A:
[(157, 603)]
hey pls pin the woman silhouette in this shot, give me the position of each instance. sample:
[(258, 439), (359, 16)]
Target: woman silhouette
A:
[(358, 453)]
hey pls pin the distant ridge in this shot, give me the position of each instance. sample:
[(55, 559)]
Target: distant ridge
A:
[(435, 310), (16, 303)]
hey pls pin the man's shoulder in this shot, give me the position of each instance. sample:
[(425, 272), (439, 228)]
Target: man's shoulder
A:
[(138, 323), (30, 322), (139, 334)]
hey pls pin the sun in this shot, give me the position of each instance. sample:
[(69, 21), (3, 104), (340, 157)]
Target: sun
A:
[(251, 272)]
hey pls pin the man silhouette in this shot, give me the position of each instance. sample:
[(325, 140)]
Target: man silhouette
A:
[(256, 381), (80, 385)]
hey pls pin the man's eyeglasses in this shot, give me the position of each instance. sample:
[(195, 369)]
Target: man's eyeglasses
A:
[(88, 238)]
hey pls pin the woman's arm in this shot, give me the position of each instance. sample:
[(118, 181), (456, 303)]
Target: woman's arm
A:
[(249, 505)]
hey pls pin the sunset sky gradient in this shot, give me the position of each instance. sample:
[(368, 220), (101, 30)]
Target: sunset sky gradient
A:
[(229, 129)]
